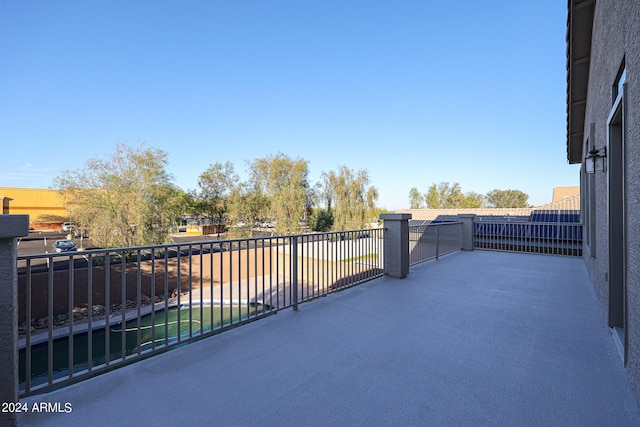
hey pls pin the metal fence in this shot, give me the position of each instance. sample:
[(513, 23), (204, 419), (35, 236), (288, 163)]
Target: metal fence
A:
[(82, 313), (432, 240), (532, 237)]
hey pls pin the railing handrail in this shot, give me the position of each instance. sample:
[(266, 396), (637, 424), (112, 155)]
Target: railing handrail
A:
[(192, 243), (528, 223), (438, 224)]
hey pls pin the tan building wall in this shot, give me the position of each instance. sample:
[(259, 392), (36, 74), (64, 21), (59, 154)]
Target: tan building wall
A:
[(44, 207), (562, 193)]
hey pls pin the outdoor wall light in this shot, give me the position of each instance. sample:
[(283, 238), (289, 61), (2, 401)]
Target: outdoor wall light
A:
[(595, 160)]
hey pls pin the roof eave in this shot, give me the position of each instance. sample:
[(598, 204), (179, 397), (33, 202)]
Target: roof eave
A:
[(579, 31)]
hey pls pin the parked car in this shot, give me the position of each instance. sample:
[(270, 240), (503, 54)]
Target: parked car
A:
[(64, 246), (68, 227)]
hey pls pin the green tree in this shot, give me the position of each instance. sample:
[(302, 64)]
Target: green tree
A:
[(447, 196), (415, 199), (179, 204), (444, 196), (284, 181), (507, 199), (124, 200), (351, 196), (322, 220), (217, 184), (248, 205), (473, 200)]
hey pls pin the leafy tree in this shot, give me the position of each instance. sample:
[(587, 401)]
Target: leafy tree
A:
[(322, 220), (124, 200), (507, 199), (473, 200), (217, 184), (415, 198), (179, 204), (248, 204), (284, 181), (444, 196), (352, 198), (447, 196)]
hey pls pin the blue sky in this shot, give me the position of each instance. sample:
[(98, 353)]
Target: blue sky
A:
[(416, 92)]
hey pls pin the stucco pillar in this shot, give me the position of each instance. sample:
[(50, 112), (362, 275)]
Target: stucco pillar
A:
[(11, 227), (396, 244), (467, 221)]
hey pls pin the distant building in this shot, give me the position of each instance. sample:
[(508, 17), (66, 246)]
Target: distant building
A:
[(603, 134), (45, 208), (564, 199), (451, 214), (562, 193)]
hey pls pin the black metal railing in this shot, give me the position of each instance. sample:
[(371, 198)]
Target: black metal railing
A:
[(81, 313), (430, 241), (530, 237)]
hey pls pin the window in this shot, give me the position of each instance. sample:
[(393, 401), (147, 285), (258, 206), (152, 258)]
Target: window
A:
[(619, 81)]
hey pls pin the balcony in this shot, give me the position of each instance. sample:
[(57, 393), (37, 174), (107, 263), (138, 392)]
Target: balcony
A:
[(473, 338)]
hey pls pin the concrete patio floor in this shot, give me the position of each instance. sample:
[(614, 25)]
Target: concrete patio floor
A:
[(476, 338)]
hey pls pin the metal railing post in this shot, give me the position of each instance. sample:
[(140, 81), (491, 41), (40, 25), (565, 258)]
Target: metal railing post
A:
[(11, 227), (437, 242), (294, 273)]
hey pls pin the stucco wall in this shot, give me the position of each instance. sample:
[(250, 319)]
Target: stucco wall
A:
[(43, 206), (616, 35)]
